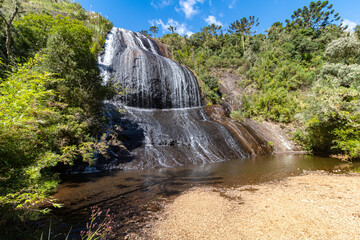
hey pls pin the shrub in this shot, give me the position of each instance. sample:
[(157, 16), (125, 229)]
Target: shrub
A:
[(210, 89)]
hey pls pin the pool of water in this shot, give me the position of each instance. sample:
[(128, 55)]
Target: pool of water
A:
[(133, 195)]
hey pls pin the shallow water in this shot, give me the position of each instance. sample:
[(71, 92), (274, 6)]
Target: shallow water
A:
[(131, 195)]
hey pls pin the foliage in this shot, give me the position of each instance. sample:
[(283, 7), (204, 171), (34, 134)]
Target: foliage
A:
[(316, 17), (211, 88), (357, 31), (243, 27), (345, 50), (145, 32), (237, 116), (36, 133), (63, 7), (332, 119), (154, 30), (172, 29), (276, 104), (32, 29), (69, 56), (279, 74), (9, 9), (98, 228), (50, 101)]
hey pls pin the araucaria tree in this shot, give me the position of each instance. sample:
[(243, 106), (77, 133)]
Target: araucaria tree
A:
[(244, 27), (316, 17), (144, 32), (154, 29), (172, 29)]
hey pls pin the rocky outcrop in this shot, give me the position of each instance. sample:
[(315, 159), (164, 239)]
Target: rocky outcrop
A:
[(253, 142), (278, 136), (229, 88)]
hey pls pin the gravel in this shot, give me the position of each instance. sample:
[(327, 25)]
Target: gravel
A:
[(313, 206)]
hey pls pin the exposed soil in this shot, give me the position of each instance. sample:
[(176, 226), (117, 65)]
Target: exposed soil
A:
[(278, 134), (313, 206)]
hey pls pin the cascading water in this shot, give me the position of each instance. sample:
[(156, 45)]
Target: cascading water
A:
[(163, 124), (149, 79)]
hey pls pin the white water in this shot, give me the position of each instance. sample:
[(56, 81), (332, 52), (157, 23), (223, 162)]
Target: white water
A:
[(164, 124), (149, 79)]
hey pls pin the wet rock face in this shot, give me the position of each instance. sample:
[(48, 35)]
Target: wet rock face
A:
[(163, 124), (175, 138), (217, 112), (148, 79)]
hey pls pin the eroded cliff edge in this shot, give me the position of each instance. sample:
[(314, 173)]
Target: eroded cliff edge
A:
[(277, 135)]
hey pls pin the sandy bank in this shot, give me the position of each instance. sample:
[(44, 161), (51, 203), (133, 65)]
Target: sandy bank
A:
[(313, 206)]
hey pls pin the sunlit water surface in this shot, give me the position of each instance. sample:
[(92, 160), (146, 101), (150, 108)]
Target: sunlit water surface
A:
[(131, 195)]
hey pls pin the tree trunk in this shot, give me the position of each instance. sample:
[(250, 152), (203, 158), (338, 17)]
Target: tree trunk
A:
[(8, 24), (243, 42), (8, 42)]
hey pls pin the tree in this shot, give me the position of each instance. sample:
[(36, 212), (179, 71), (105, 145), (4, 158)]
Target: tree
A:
[(345, 50), (333, 117), (32, 32), (275, 31), (244, 27), (357, 31), (212, 29), (145, 32), (69, 57), (172, 29), (154, 29), (8, 11), (316, 17)]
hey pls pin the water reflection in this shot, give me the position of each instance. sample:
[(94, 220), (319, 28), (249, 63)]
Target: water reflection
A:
[(129, 193)]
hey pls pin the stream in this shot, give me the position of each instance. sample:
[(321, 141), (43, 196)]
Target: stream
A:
[(134, 196)]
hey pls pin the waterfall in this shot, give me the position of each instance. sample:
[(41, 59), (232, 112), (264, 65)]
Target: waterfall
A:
[(149, 79), (164, 124)]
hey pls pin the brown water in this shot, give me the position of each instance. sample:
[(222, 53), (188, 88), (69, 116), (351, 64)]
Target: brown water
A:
[(133, 195)]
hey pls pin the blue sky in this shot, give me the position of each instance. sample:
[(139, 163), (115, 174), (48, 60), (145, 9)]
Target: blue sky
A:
[(189, 16)]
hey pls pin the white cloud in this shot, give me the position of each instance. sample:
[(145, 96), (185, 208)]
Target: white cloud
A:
[(232, 3), (188, 7), (351, 25), (212, 20), (161, 3), (181, 28)]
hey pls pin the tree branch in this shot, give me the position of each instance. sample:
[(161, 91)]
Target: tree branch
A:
[(15, 12), (2, 15)]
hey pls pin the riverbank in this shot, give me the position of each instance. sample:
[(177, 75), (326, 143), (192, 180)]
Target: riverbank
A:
[(316, 205)]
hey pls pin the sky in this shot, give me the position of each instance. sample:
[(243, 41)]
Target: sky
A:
[(189, 16)]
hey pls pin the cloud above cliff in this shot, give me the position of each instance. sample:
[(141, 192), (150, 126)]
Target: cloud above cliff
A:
[(351, 25), (189, 8), (161, 3), (212, 20), (181, 28)]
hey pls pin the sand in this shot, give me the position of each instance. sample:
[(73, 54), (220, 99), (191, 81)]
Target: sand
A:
[(313, 206)]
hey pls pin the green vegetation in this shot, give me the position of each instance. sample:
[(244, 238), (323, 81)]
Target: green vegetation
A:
[(332, 118), (154, 30), (303, 72), (210, 88), (51, 95), (243, 27)]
